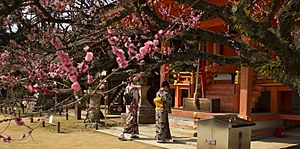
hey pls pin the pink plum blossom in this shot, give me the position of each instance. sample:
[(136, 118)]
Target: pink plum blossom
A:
[(116, 51), (102, 86), (6, 21), (76, 86), (86, 48), (82, 67), (35, 87), (89, 79), (144, 50), (30, 88), (44, 2), (89, 56), (59, 5), (122, 62), (113, 40), (57, 43), (72, 77), (139, 56), (52, 74), (155, 42), (131, 53), (160, 32)]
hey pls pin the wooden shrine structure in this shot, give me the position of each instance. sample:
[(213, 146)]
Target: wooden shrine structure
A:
[(239, 90)]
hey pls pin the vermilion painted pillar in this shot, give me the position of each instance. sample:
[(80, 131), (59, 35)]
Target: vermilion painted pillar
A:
[(164, 73), (164, 69), (274, 102), (178, 95), (245, 91)]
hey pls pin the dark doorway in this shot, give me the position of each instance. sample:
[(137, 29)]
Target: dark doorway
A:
[(263, 104)]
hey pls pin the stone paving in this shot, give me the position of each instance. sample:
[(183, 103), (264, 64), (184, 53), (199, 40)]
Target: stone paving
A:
[(184, 138)]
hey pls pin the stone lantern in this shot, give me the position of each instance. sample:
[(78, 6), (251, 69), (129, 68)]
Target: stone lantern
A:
[(146, 112), (94, 111)]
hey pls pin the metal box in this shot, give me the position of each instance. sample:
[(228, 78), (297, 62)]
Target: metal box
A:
[(224, 132)]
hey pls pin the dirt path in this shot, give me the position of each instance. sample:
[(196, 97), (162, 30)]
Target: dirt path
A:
[(72, 137)]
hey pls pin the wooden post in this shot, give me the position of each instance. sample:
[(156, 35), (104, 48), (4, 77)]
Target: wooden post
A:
[(31, 119), (245, 91), (105, 112), (67, 114), (96, 126), (274, 103), (78, 111), (58, 127), (19, 113), (60, 111), (43, 123)]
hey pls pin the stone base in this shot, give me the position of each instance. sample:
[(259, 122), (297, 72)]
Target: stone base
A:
[(146, 115)]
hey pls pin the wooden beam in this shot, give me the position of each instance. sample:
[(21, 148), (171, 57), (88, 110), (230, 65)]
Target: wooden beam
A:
[(218, 2), (290, 117), (211, 23), (223, 69), (264, 117), (182, 113), (284, 88), (206, 115), (260, 132)]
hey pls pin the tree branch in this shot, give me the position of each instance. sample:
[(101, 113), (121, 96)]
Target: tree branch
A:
[(246, 51), (287, 17), (6, 9), (270, 17), (160, 22), (196, 54), (209, 8), (49, 17)]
